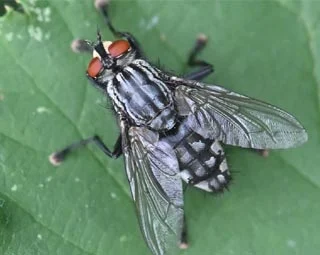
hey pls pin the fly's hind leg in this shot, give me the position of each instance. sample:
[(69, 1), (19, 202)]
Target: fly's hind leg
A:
[(204, 67), (57, 157)]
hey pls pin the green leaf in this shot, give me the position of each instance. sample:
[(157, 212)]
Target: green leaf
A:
[(267, 50)]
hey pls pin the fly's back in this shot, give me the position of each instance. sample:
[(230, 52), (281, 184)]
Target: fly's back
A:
[(139, 92)]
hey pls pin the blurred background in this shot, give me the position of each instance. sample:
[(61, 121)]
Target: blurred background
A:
[(264, 49)]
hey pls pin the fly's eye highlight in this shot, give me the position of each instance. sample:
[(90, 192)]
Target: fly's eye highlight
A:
[(119, 47), (94, 67)]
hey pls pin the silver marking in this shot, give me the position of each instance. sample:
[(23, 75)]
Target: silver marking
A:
[(221, 178), (185, 157), (151, 70), (223, 166), (216, 147), (112, 95), (123, 83), (215, 183), (200, 171), (186, 176), (204, 185), (153, 76), (210, 162), (198, 146)]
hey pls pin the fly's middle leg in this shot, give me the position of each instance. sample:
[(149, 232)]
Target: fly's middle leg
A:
[(57, 157), (204, 67)]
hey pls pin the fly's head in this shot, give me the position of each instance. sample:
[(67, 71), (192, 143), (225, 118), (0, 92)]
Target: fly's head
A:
[(108, 58)]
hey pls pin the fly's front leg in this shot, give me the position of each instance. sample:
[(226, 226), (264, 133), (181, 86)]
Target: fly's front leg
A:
[(103, 7), (82, 46), (57, 157), (205, 68)]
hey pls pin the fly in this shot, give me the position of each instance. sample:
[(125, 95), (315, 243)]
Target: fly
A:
[(171, 130)]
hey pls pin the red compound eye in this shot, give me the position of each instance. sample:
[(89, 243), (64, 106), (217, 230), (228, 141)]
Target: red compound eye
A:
[(118, 47), (94, 67)]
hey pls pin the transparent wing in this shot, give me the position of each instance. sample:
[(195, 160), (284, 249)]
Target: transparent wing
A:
[(156, 187), (236, 119)]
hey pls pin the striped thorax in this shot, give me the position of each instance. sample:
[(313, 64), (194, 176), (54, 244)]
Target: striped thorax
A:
[(135, 87), (138, 90)]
